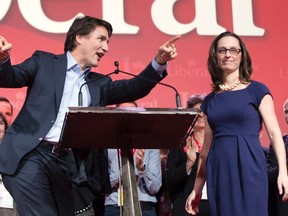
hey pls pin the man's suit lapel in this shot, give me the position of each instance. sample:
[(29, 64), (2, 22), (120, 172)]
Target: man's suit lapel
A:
[(59, 72)]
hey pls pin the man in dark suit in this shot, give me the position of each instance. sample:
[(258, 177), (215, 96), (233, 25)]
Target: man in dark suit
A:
[(6, 108), (37, 178), (276, 206)]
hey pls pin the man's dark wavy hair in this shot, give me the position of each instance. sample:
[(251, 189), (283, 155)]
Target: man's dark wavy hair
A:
[(84, 26)]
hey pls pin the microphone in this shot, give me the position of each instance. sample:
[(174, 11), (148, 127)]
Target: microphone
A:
[(80, 96), (178, 100)]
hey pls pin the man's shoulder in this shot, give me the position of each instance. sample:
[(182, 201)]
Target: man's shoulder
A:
[(285, 138), (48, 54)]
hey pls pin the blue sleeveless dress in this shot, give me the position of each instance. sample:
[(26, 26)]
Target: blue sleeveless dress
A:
[(236, 168)]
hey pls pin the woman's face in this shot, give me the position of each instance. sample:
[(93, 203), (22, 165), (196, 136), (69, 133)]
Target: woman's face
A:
[(2, 129), (228, 54), (200, 123)]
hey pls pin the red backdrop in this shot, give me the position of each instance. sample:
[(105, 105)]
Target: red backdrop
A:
[(142, 26)]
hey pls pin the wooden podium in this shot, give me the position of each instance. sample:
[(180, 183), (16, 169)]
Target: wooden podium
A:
[(126, 128)]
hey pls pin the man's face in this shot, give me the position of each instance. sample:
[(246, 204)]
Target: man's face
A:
[(286, 112), (2, 129), (92, 48), (5, 108)]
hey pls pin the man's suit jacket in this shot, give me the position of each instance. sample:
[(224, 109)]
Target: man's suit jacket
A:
[(44, 76), (276, 206)]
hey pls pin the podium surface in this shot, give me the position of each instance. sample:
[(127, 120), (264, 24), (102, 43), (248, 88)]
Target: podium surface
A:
[(99, 127)]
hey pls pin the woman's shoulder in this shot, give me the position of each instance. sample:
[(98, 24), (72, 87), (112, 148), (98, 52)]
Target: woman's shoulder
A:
[(209, 96), (257, 85), (258, 90), (205, 103)]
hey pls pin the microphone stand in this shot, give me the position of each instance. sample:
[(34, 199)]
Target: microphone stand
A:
[(189, 132), (80, 96), (178, 100)]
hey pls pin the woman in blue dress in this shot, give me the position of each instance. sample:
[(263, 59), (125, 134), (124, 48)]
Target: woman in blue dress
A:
[(232, 159)]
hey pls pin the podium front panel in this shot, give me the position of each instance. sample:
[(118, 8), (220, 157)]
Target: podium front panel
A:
[(90, 127)]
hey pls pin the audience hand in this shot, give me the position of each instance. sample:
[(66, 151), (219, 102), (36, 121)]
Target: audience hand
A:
[(140, 153), (192, 203), (191, 149)]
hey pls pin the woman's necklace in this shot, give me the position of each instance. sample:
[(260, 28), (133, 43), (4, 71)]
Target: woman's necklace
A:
[(229, 87), (197, 143)]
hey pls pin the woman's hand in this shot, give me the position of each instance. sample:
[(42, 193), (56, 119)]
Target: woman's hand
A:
[(282, 183)]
